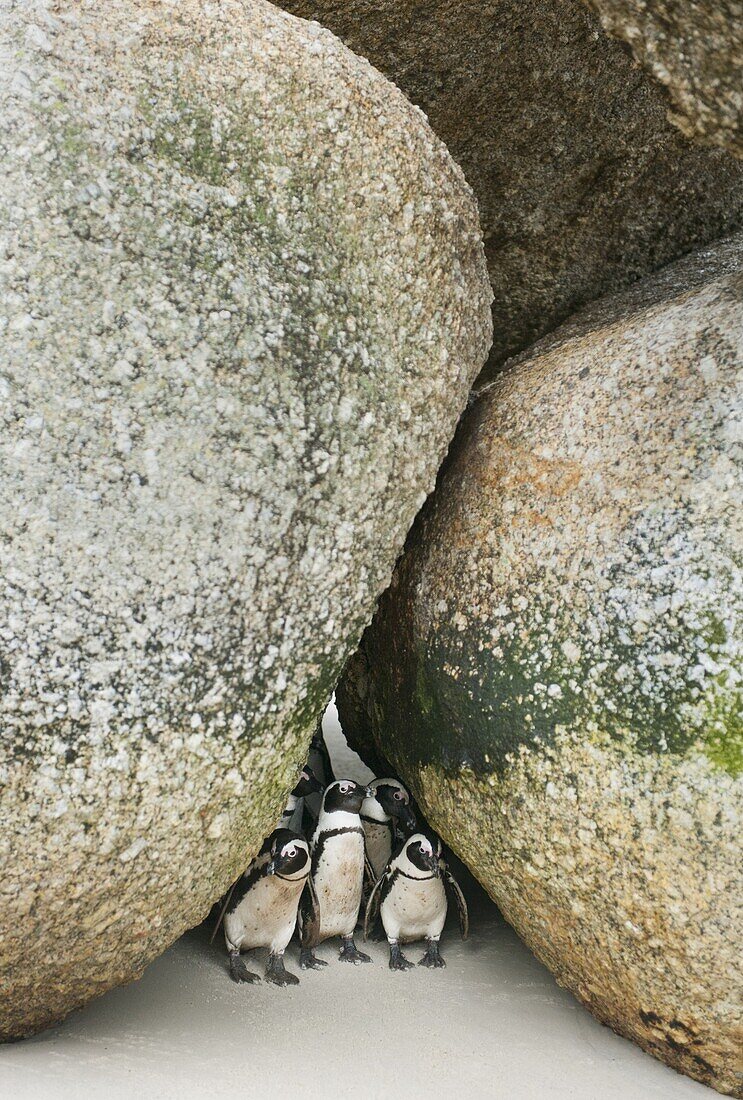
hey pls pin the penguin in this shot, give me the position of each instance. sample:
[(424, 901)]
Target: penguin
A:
[(319, 762), (411, 899), (307, 784), (385, 813), (261, 910), (338, 863)]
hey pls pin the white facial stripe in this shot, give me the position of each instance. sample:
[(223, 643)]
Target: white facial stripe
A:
[(373, 808)]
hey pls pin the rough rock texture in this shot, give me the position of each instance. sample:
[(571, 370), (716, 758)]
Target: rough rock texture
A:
[(696, 51), (556, 667), (232, 252), (583, 183)]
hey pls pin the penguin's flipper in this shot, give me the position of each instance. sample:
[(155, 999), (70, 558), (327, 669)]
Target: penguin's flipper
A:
[(318, 747), (326, 759), (373, 906), (369, 876), (315, 899), (455, 890), (309, 909), (309, 821)]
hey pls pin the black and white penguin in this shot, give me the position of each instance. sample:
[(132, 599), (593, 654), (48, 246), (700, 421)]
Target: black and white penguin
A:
[(338, 860), (307, 784), (262, 908), (385, 814), (318, 760), (411, 899)]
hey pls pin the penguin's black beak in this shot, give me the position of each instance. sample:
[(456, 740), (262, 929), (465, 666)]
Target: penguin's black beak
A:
[(431, 862)]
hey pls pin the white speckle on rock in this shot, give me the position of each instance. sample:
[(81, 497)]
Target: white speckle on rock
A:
[(135, 848), (708, 368), (218, 826)]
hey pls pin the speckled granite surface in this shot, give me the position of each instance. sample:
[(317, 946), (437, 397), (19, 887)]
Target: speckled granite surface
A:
[(584, 184), (556, 668), (243, 299), (695, 51)]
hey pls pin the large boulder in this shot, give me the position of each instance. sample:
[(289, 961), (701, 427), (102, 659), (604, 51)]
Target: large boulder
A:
[(556, 667), (696, 52), (232, 252), (583, 183)]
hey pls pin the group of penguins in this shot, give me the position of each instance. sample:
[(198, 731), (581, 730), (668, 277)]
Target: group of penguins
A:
[(341, 849)]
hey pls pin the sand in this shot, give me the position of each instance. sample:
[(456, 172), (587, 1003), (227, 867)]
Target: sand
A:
[(493, 1024)]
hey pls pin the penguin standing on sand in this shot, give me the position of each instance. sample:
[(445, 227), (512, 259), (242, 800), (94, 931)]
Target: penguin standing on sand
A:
[(384, 813), (307, 785), (261, 910), (338, 860), (410, 897)]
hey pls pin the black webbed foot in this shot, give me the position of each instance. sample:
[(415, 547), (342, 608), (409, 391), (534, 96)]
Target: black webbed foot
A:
[(308, 960), (398, 960), (277, 973), (239, 971), (432, 958), (350, 952)]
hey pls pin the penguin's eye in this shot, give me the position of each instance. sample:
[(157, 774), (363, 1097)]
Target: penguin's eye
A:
[(398, 795), (290, 851), (344, 788)]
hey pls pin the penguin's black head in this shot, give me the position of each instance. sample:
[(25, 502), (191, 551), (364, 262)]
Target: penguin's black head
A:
[(290, 855), (344, 795), (422, 853), (395, 801), (308, 783)]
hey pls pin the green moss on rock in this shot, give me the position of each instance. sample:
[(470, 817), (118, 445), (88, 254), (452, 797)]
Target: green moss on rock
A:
[(556, 668)]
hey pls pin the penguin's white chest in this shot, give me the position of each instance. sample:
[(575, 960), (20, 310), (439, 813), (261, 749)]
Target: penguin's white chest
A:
[(414, 909), (338, 881), (378, 845), (266, 915)]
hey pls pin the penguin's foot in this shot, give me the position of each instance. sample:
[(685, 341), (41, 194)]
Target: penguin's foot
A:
[(398, 960), (277, 973), (432, 957), (350, 952), (239, 971), (308, 960)]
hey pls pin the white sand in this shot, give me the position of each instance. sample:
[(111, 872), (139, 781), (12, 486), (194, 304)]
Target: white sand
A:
[(492, 1024)]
